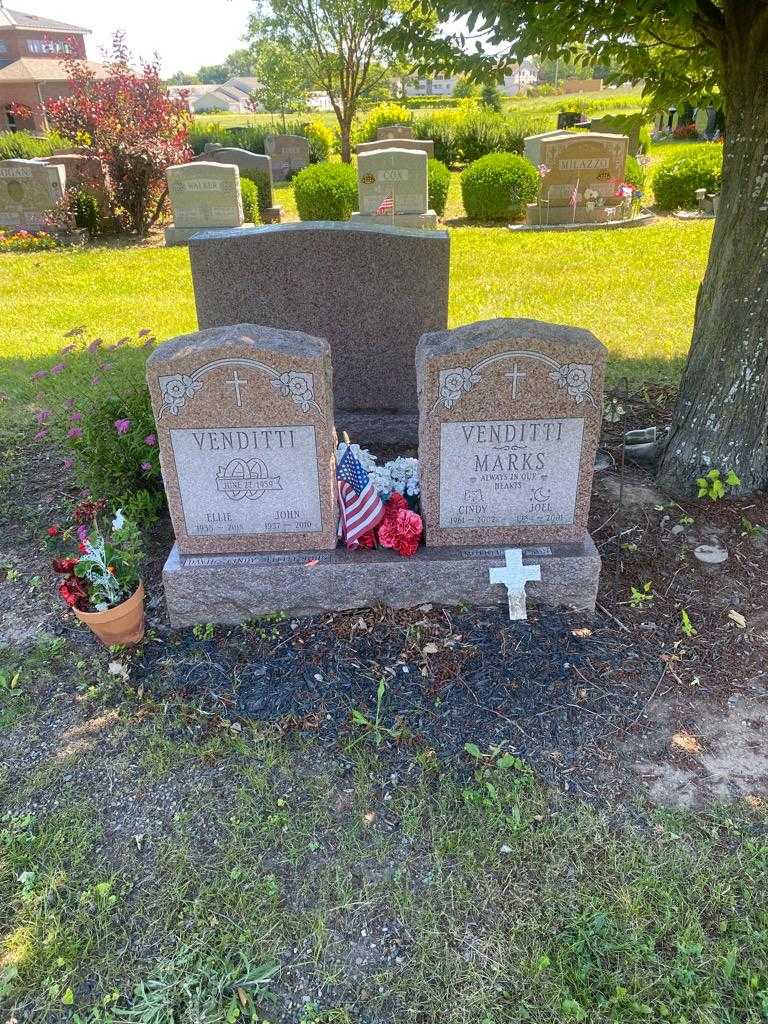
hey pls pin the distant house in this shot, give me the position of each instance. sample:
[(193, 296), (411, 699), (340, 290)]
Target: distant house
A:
[(521, 77), (31, 70), (320, 101), (430, 86), (232, 96)]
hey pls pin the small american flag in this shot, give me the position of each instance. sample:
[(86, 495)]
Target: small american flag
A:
[(360, 506), (387, 205), (573, 201)]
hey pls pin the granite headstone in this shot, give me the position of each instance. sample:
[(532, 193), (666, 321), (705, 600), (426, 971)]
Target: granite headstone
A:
[(29, 190), (203, 195), (396, 179), (371, 291), (257, 167), (510, 415), (576, 162), (244, 420), (288, 153), (426, 145), (395, 131)]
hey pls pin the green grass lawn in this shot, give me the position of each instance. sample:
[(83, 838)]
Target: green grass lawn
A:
[(635, 289)]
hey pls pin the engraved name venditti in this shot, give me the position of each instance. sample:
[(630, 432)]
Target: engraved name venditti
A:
[(264, 439), (519, 433)]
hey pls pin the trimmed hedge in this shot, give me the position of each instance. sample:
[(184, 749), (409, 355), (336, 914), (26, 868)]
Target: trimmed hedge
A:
[(498, 186), (326, 191), (438, 182), (677, 178), (251, 205), (379, 117), (251, 137), (441, 128)]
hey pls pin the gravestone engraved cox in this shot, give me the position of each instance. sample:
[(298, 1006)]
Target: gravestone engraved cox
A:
[(244, 422), (510, 415)]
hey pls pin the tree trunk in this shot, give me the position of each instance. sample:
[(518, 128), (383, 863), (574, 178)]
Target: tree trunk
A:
[(721, 416), (345, 130)]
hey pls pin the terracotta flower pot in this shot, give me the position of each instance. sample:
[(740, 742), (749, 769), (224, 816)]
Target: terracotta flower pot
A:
[(123, 624)]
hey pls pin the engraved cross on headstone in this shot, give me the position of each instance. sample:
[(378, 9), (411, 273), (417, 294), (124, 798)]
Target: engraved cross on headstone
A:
[(514, 377), (514, 575), (237, 383)]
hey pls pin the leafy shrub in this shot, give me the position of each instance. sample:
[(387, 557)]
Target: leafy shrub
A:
[(635, 173), (250, 194), (441, 128), (326, 191), (252, 137), (677, 178), (23, 146), (490, 97), (439, 179), (497, 186), (86, 211), (94, 403), (382, 115), (430, 102)]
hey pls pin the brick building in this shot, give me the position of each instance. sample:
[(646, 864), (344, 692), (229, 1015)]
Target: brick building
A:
[(31, 70)]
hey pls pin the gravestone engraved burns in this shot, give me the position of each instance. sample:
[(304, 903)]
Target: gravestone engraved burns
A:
[(255, 166), (28, 192), (288, 153), (396, 179), (244, 420)]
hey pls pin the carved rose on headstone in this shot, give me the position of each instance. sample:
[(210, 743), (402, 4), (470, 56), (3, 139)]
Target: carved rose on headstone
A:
[(455, 383), (298, 387), (575, 378), (176, 390)]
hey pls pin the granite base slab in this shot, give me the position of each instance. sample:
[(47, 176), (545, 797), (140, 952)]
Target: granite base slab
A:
[(181, 236), (427, 220), (639, 221), (234, 588)]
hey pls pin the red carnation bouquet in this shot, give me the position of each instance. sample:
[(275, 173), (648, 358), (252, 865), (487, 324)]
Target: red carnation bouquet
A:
[(401, 528)]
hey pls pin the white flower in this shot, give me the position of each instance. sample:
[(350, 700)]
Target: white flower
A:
[(119, 521), (297, 386), (456, 382), (575, 378)]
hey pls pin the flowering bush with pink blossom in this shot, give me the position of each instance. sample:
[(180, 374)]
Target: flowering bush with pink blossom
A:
[(93, 407)]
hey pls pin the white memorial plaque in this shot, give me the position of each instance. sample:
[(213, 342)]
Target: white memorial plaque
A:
[(509, 473), (259, 480)]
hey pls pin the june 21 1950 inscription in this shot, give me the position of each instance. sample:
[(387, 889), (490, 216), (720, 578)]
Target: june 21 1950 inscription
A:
[(509, 473), (248, 481)]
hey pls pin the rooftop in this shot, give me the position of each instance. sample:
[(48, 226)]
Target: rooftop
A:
[(41, 69), (19, 20)]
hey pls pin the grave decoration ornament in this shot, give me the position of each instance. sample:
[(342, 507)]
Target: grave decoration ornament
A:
[(514, 575)]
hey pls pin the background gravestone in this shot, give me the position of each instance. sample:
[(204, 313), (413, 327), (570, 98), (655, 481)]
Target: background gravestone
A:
[(28, 191), (203, 195), (371, 291), (255, 166), (395, 131), (426, 145), (244, 420), (288, 153), (579, 161), (510, 414), (532, 144), (397, 174)]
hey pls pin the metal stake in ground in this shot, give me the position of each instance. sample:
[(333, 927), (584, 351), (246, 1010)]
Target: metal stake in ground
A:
[(514, 575)]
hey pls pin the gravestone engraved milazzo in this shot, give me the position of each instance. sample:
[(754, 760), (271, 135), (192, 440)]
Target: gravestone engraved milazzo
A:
[(288, 153), (255, 166), (28, 192), (371, 291), (395, 131), (510, 414), (578, 161), (203, 195), (423, 145), (397, 177), (244, 420)]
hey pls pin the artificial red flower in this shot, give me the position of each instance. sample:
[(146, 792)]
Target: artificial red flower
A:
[(65, 565), (367, 540), (87, 511), (73, 593), (394, 503), (400, 528), (53, 531)]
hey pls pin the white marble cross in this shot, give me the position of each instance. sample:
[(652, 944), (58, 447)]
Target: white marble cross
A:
[(514, 377), (514, 575), (238, 383)]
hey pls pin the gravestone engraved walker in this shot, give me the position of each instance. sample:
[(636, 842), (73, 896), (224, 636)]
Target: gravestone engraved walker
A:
[(371, 291), (397, 177), (417, 145), (28, 191), (288, 153), (203, 195), (244, 420), (255, 166), (510, 414)]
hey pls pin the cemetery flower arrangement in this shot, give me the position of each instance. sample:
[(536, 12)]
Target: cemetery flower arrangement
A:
[(107, 569), (593, 197), (398, 486), (93, 406), (27, 241)]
